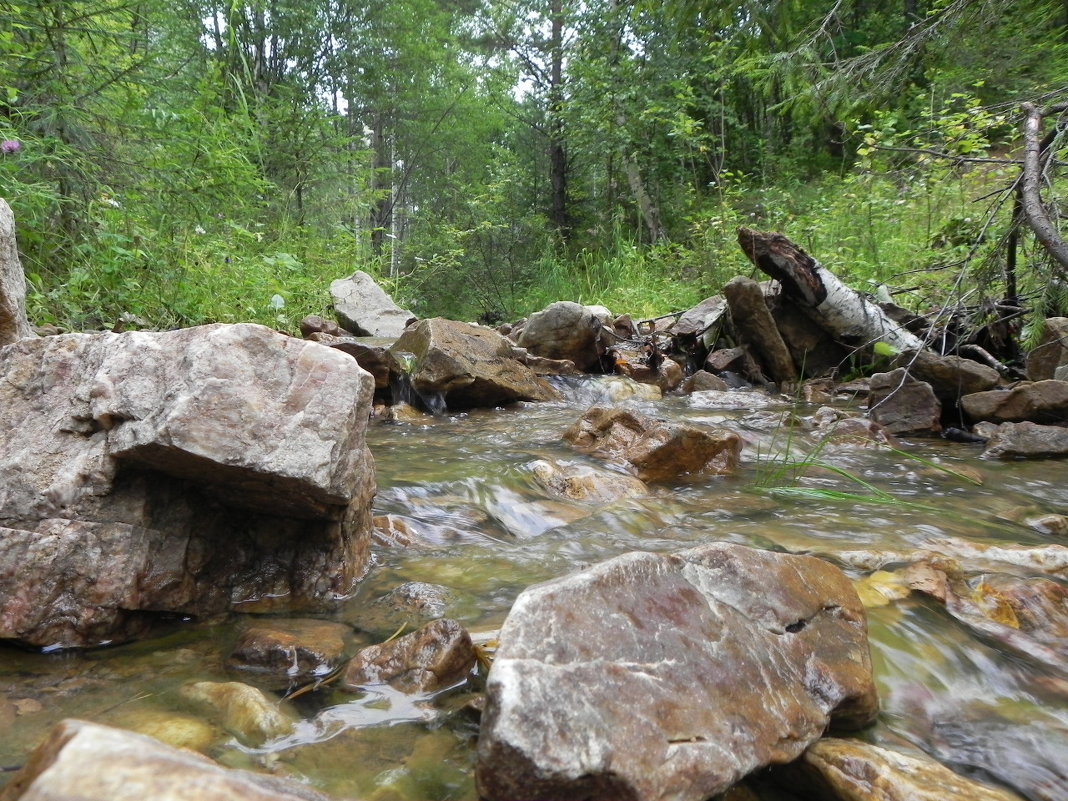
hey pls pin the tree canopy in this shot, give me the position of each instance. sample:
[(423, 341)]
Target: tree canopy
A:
[(186, 161)]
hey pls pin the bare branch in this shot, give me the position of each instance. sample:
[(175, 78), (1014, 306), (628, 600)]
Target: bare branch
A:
[(1033, 209)]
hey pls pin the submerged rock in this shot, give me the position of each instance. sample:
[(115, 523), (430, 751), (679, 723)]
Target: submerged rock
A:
[(582, 483), (656, 676), (850, 770), (364, 308), (436, 656), (469, 365), (13, 322), (189, 472), (290, 649), (656, 450), (242, 710), (89, 762)]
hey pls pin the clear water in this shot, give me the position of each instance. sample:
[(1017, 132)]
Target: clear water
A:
[(486, 529)]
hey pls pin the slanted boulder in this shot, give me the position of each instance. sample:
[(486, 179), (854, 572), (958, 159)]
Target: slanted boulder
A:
[(1043, 402), (1051, 352), (671, 676), (904, 405), (468, 364), (191, 472), (98, 763), (653, 449), (563, 330), (756, 327), (365, 309), (701, 318), (13, 322)]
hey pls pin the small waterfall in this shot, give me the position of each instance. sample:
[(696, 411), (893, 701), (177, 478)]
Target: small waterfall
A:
[(403, 391)]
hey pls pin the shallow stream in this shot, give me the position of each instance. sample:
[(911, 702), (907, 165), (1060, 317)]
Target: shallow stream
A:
[(484, 529)]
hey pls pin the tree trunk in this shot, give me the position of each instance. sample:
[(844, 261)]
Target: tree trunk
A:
[(558, 211), (381, 185), (1033, 209), (843, 312)]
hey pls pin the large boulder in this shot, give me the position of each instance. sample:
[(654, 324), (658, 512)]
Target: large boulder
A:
[(89, 762), (563, 330), (1041, 402), (1051, 352), (191, 472), (671, 676), (655, 450), (13, 322), (904, 405), (364, 308), (468, 364)]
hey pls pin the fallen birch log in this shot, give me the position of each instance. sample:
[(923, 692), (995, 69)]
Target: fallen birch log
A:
[(843, 312)]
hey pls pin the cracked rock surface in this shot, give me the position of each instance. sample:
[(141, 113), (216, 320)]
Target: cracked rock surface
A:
[(671, 676)]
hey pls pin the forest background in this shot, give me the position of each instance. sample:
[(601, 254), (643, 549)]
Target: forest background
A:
[(180, 162)]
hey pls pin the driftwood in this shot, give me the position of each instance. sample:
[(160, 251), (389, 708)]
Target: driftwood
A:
[(844, 313)]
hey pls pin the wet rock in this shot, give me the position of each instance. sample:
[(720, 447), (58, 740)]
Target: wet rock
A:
[(290, 649), (704, 381), (1056, 525), (1043, 402), (13, 322), (470, 365), (657, 451), (737, 361), (700, 318), (242, 710), (951, 377), (563, 330), (853, 432), (953, 552), (393, 531), (436, 656), (903, 405), (655, 676), (1051, 352), (189, 472), (732, 399), (89, 762), (364, 308), (378, 360), (1026, 441), (756, 327), (852, 770), (1029, 616), (582, 483)]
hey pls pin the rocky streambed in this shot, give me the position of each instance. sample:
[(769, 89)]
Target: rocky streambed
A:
[(957, 561)]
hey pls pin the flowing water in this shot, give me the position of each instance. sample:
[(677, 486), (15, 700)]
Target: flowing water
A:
[(485, 529)]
